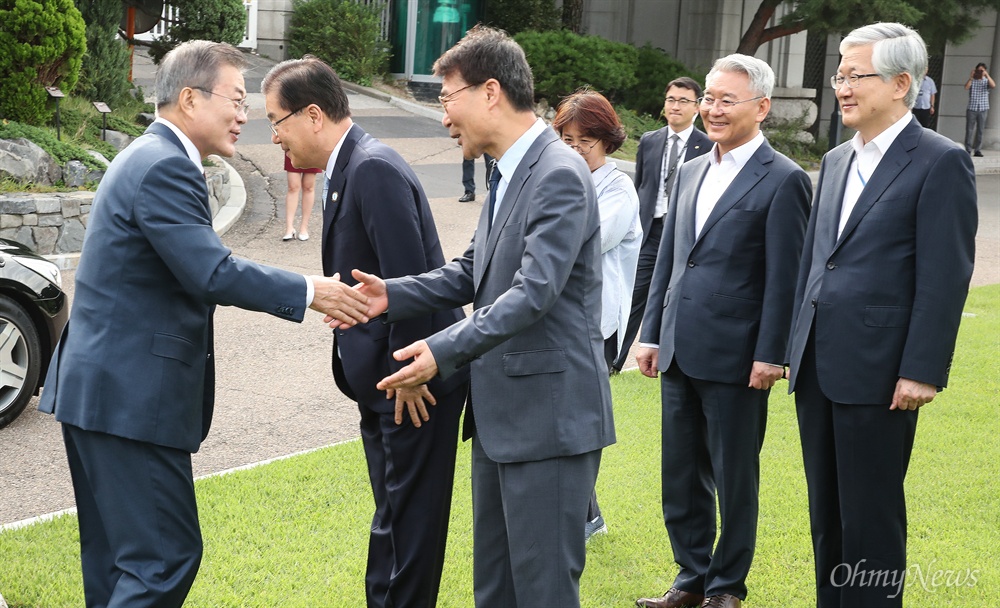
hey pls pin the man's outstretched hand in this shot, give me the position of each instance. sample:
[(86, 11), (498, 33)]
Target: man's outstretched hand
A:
[(422, 369), (340, 303), (372, 290)]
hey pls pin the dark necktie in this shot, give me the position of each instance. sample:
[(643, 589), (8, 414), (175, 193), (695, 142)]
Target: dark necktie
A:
[(494, 181), (668, 179)]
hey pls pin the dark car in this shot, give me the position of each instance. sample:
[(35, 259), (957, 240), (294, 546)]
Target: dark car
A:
[(33, 312)]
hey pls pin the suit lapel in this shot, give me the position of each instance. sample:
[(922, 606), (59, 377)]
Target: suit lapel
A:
[(754, 171), (833, 196), (695, 145), (511, 198), (338, 180), (687, 201), (892, 164)]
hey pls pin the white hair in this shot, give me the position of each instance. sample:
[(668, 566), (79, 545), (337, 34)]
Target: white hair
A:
[(896, 49), (760, 74)]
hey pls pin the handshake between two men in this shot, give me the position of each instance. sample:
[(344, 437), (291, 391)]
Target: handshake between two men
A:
[(346, 306)]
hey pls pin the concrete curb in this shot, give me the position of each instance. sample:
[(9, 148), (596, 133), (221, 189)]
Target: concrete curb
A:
[(228, 215)]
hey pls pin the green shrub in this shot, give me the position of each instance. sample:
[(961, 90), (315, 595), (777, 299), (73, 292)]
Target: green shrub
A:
[(62, 151), (216, 20), (562, 62), (104, 76), (655, 70), (41, 44), (516, 16), (344, 34)]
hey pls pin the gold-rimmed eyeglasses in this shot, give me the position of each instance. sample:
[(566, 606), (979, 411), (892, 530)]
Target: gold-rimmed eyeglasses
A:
[(274, 125), (852, 81), (451, 96), (242, 105), (725, 105)]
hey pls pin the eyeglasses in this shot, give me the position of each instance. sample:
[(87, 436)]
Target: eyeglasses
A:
[(852, 80), (274, 125), (725, 105), (583, 147), (451, 96), (242, 105), (682, 101)]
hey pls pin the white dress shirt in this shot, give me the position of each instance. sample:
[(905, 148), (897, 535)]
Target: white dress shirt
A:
[(720, 175), (332, 162), (682, 140), (508, 163), (866, 160)]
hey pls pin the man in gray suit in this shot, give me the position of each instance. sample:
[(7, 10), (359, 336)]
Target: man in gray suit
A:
[(540, 409), (133, 377), (716, 326)]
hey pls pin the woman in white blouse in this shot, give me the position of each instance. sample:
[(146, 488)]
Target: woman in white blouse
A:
[(587, 122)]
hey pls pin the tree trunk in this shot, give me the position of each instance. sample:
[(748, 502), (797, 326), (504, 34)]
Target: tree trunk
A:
[(572, 15), (754, 36)]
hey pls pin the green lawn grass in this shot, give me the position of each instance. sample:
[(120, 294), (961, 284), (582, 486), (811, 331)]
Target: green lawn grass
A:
[(294, 532)]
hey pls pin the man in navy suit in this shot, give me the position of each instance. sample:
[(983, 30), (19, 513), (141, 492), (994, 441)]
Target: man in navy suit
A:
[(133, 378), (716, 327), (540, 412), (661, 154), (376, 218), (885, 270)]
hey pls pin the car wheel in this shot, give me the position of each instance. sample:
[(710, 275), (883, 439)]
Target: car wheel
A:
[(20, 360)]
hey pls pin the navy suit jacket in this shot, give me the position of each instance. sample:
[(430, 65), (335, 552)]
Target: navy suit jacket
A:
[(539, 380), (723, 300), (649, 168), (377, 219), (886, 297), (135, 360)]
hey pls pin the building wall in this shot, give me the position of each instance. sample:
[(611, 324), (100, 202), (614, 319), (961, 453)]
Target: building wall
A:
[(958, 64), (274, 17)]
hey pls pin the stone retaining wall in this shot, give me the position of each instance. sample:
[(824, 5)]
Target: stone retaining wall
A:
[(53, 223)]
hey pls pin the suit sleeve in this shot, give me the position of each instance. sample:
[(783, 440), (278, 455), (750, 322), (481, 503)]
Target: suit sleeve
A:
[(785, 230), (172, 213), (639, 155), (450, 286), (947, 218)]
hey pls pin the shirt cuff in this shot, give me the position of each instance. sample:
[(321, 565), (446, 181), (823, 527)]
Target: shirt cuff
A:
[(310, 291), (647, 345)]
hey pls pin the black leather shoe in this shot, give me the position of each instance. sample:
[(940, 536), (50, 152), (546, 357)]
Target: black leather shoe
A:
[(675, 598), (979, 154), (468, 197)]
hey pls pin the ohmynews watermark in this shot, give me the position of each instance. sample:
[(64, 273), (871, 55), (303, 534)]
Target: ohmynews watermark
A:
[(930, 578)]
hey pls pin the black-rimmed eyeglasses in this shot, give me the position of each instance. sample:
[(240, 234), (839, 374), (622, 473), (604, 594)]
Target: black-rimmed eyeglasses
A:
[(274, 125), (852, 81)]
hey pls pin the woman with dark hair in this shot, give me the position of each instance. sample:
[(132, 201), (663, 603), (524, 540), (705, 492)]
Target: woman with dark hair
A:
[(587, 122)]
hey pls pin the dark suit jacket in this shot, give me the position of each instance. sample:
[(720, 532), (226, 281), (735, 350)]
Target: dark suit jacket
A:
[(722, 301), (539, 380), (886, 297), (135, 360), (649, 168), (380, 223)]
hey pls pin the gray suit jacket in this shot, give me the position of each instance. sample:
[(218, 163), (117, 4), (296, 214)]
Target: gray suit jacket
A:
[(539, 381), (135, 360), (723, 300), (885, 298)]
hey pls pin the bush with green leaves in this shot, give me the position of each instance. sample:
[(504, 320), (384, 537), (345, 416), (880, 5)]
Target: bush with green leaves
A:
[(562, 62), (41, 44), (216, 20), (655, 70), (516, 16), (104, 76), (345, 34), (45, 139)]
